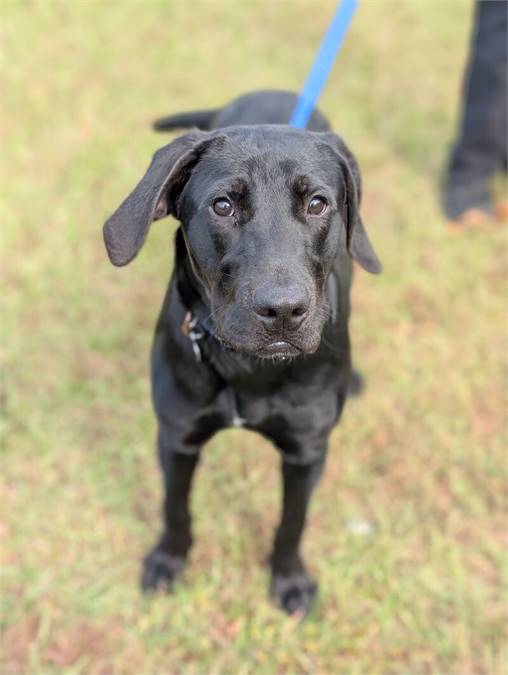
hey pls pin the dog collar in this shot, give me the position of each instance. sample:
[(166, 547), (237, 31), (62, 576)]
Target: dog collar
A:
[(196, 331), (192, 329)]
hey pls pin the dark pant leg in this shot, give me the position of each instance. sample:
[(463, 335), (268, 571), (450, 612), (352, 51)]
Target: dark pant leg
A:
[(480, 149)]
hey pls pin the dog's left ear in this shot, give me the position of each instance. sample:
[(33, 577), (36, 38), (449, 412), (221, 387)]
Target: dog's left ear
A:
[(154, 197), (358, 243)]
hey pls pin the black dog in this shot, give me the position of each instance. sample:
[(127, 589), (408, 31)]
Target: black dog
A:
[(254, 327)]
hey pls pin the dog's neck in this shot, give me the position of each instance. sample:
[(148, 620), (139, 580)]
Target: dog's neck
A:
[(190, 289)]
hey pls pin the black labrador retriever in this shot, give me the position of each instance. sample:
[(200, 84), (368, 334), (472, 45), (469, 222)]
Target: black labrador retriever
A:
[(253, 331)]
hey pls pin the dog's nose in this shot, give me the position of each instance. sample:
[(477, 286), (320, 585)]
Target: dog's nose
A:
[(276, 305)]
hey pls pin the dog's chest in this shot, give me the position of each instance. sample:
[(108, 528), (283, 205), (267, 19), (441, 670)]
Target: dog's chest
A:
[(294, 408)]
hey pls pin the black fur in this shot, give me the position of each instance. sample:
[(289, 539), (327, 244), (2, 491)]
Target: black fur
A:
[(259, 107), (269, 286)]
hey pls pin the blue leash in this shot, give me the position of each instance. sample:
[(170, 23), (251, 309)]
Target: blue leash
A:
[(328, 50)]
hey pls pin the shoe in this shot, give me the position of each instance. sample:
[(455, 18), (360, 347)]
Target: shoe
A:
[(502, 210), (467, 203), (469, 219), (461, 196)]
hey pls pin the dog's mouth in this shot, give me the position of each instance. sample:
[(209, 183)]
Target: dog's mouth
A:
[(280, 349)]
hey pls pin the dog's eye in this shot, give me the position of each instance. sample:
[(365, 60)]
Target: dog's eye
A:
[(317, 206), (223, 207)]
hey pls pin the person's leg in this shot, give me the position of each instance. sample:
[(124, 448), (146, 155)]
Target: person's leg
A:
[(480, 150)]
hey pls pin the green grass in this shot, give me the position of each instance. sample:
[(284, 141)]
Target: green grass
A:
[(421, 456)]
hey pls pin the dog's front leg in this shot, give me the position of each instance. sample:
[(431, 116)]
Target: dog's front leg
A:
[(167, 559), (291, 586)]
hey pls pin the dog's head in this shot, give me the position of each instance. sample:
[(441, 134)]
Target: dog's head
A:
[(264, 212)]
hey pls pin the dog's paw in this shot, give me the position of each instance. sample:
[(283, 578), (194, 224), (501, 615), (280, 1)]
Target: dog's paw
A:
[(295, 594), (160, 570)]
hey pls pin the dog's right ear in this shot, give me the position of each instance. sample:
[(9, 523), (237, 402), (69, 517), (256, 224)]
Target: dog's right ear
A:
[(153, 197), (358, 243)]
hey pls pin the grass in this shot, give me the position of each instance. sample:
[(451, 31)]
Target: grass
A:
[(408, 528)]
